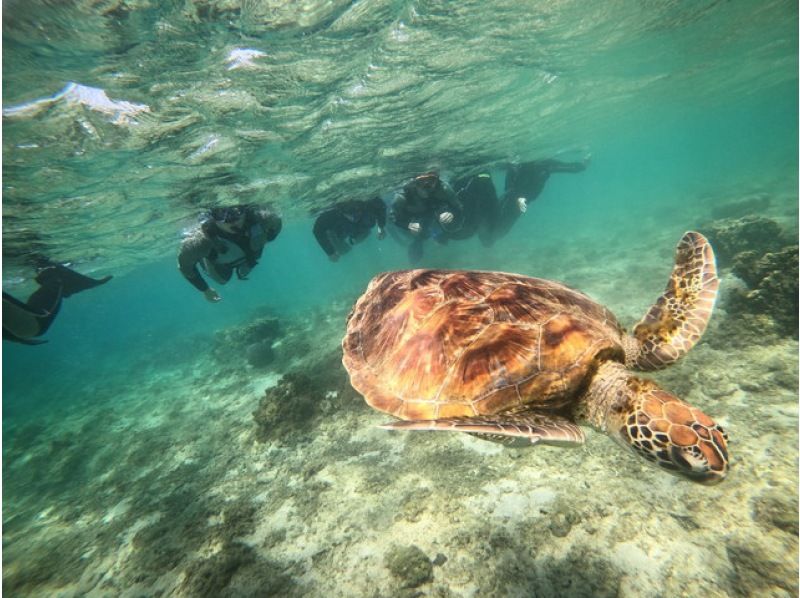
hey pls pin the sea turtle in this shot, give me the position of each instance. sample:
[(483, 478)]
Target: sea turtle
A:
[(523, 359)]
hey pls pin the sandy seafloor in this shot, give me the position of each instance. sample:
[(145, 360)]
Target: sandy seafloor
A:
[(158, 481)]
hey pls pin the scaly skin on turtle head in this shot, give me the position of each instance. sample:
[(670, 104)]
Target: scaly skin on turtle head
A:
[(656, 425), (671, 434)]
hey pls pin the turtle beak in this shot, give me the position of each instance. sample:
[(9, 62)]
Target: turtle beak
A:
[(696, 467)]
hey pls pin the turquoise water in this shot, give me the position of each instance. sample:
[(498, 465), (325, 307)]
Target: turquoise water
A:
[(138, 405)]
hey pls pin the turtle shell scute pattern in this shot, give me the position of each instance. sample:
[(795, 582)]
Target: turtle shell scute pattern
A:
[(429, 344)]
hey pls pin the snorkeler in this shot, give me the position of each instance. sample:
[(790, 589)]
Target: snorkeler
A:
[(492, 218), (524, 183), (478, 197), (229, 239), (23, 322), (344, 224), (426, 207)]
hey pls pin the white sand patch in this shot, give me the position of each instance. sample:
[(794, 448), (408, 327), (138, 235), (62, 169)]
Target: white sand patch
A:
[(632, 559), (511, 501)]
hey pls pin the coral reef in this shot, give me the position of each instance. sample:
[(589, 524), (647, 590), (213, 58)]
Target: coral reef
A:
[(252, 342), (409, 565), (730, 237), (772, 281), (288, 408), (235, 570), (762, 255), (260, 354)]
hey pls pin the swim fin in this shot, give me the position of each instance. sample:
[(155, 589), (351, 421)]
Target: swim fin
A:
[(22, 322), (70, 281)]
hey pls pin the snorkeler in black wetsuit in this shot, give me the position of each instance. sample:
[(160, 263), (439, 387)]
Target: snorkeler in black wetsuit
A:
[(346, 223), (478, 198), (426, 207), (524, 183), (230, 239), (23, 322), (492, 218)]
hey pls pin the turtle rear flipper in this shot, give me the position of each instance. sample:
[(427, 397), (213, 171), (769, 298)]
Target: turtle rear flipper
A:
[(675, 323), (532, 428)]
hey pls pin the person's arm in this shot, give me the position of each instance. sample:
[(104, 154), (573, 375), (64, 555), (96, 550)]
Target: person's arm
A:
[(193, 249)]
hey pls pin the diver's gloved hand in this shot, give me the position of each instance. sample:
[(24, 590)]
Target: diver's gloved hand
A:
[(446, 217), (522, 205), (211, 295), (414, 227), (381, 234)]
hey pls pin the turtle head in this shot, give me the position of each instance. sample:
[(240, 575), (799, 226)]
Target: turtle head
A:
[(669, 433)]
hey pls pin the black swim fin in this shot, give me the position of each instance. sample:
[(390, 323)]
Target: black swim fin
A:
[(70, 281), (24, 321), (9, 336)]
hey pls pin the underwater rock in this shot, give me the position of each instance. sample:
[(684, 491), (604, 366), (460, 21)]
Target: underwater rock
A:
[(209, 577), (287, 408), (259, 579), (772, 281), (261, 354), (239, 519), (157, 550), (409, 565), (254, 340), (439, 560), (262, 330), (561, 523), (751, 233)]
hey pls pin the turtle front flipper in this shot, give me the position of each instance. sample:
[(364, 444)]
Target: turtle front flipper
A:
[(506, 428), (675, 323)]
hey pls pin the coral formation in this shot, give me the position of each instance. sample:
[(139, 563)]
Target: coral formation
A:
[(409, 565), (763, 256), (288, 408), (252, 342), (751, 233), (260, 354), (772, 281)]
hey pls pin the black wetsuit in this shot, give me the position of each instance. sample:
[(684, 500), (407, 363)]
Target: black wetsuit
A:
[(479, 200), (220, 253), (492, 217), (528, 179), (347, 223), (410, 206)]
